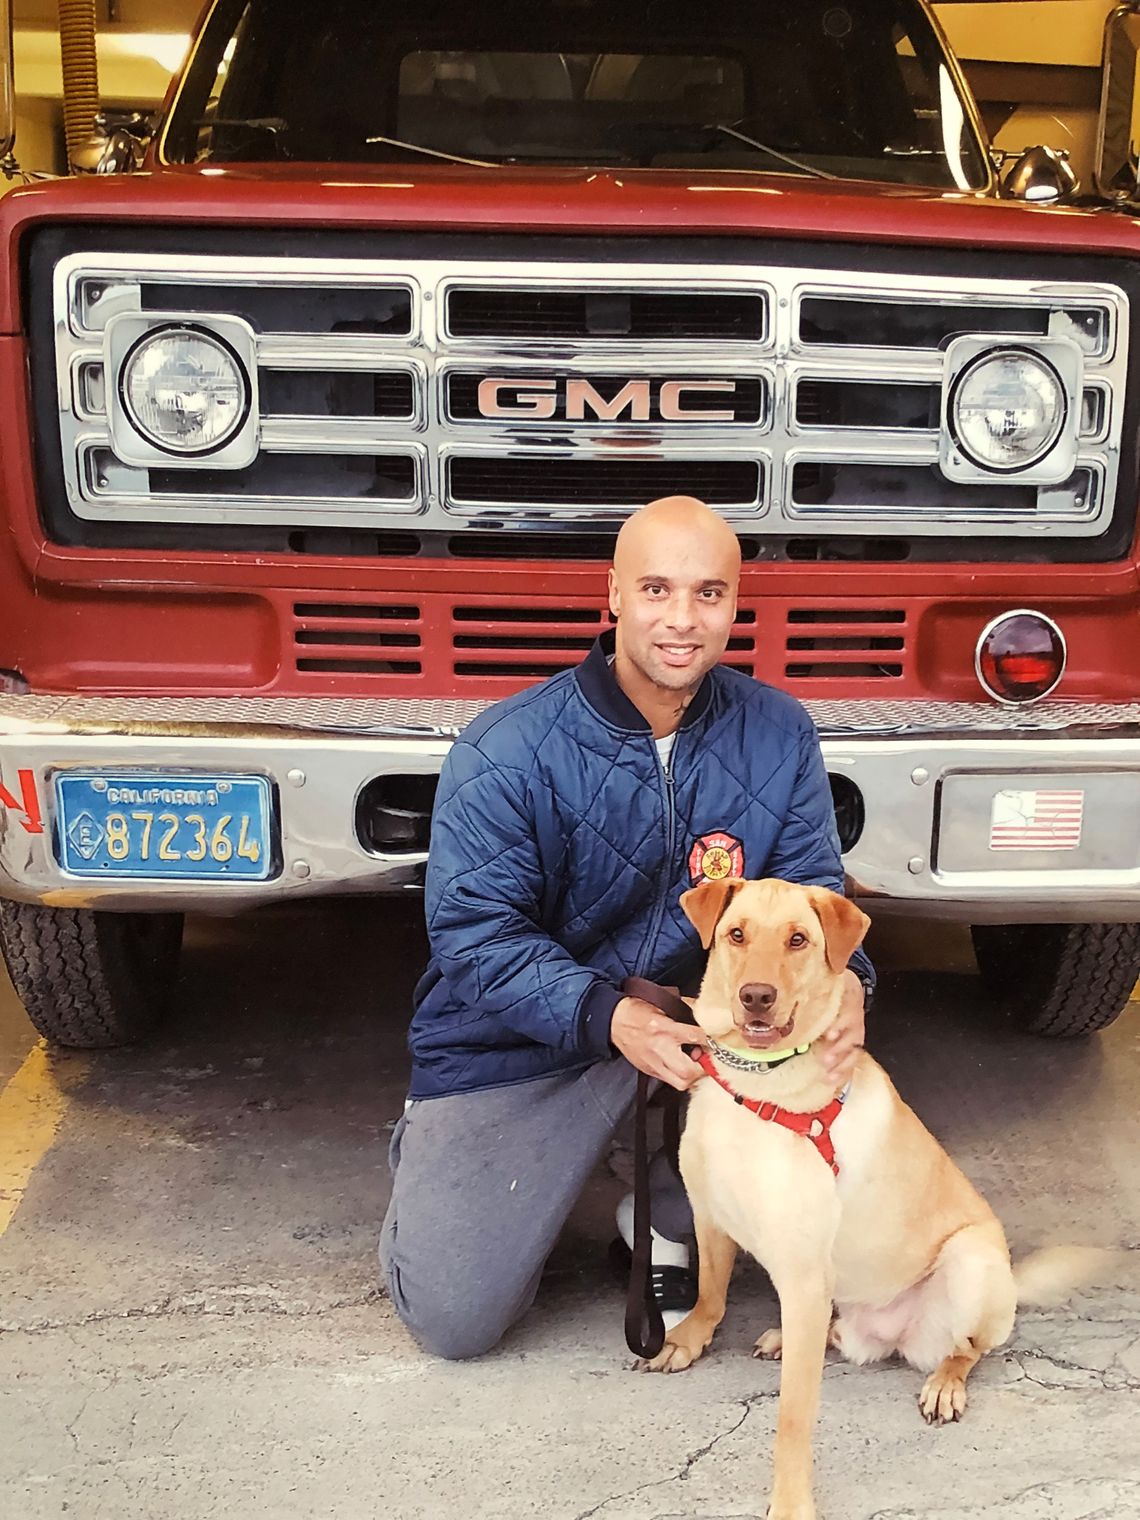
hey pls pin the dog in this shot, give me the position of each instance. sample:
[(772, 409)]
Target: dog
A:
[(856, 1207)]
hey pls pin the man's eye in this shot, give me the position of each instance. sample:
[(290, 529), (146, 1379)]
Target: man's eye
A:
[(797, 941), (711, 595), (736, 936), (653, 590)]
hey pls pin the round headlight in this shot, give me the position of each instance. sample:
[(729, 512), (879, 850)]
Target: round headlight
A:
[(1020, 656), (184, 390), (1007, 409)]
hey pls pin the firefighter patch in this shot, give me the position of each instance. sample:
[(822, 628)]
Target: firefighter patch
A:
[(716, 857)]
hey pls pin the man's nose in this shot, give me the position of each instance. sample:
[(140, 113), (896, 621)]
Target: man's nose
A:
[(757, 999), (681, 614)]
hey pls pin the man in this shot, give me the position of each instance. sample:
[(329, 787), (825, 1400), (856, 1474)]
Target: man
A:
[(569, 820)]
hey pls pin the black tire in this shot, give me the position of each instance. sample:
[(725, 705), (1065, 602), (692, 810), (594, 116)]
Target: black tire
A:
[(1060, 979), (90, 979)]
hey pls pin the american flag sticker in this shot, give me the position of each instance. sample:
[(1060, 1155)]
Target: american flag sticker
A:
[(1040, 820)]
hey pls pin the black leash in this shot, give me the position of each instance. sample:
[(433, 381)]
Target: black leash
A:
[(644, 1327)]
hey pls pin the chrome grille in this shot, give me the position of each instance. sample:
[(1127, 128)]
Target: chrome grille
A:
[(632, 315), (370, 414), (577, 485)]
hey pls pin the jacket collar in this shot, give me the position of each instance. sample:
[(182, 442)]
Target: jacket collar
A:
[(599, 686)]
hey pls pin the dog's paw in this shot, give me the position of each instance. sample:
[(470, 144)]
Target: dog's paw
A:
[(943, 1398), (770, 1346), (791, 1509), (673, 1357)]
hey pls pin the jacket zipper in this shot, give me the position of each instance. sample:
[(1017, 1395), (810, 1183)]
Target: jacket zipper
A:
[(667, 867)]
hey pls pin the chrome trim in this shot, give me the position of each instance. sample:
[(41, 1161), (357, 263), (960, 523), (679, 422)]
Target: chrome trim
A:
[(781, 361), (124, 335), (865, 717), (1053, 463), (392, 716), (126, 485), (321, 752), (996, 622), (894, 865)]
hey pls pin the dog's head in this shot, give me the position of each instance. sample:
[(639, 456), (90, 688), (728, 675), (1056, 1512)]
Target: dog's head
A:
[(777, 953)]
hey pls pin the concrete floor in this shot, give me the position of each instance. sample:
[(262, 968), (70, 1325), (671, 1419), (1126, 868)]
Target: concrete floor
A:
[(191, 1325)]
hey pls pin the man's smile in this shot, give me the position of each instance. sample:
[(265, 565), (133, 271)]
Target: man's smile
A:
[(679, 655)]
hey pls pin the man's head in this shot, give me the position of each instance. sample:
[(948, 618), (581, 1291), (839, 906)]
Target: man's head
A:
[(673, 592)]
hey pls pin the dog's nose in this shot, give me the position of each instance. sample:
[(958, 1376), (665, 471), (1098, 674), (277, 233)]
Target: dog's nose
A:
[(757, 998)]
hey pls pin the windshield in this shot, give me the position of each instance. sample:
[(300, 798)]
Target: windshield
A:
[(859, 90)]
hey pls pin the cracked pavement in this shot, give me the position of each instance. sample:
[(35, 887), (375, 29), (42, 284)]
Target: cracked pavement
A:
[(190, 1323)]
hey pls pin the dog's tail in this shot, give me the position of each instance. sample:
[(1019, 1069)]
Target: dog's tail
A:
[(1049, 1276)]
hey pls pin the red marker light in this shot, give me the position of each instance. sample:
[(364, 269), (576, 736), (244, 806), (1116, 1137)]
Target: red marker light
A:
[(1020, 656)]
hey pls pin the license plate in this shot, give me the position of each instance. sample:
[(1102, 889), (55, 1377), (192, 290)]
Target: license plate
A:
[(1042, 822), (163, 825)]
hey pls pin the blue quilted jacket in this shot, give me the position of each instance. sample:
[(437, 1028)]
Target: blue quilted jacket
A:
[(560, 849)]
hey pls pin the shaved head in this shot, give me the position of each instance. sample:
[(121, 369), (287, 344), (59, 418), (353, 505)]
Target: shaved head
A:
[(678, 518), (673, 593)]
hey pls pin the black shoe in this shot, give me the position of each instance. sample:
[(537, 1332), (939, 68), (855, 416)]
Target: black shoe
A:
[(674, 1288)]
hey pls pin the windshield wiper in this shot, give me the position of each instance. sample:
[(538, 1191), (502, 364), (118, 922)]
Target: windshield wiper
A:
[(452, 158), (784, 158), (656, 138), (273, 124)]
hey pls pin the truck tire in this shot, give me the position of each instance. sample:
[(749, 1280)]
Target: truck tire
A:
[(90, 979), (1060, 979)]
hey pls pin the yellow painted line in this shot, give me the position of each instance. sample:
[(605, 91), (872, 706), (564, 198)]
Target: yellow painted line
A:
[(31, 1108)]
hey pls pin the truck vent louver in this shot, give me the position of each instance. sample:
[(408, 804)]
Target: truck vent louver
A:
[(861, 643), (382, 477), (530, 641), (614, 314), (867, 404), (567, 546), (838, 321), (329, 393), (357, 638), (273, 307), (547, 480)]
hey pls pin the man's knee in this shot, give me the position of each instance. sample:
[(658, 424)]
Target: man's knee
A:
[(455, 1331), (451, 1336)]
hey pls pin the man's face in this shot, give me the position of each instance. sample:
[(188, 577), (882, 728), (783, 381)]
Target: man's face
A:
[(674, 595)]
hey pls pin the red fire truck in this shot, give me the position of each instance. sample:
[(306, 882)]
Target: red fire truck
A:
[(318, 429)]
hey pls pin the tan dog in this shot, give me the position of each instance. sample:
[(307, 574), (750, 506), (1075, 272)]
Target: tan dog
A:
[(912, 1257)]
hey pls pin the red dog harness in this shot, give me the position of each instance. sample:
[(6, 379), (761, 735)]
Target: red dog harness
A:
[(815, 1127)]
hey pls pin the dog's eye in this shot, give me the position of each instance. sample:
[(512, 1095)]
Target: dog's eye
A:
[(797, 941), (736, 936)]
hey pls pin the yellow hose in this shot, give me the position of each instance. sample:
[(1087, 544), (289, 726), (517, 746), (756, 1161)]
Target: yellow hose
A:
[(80, 72)]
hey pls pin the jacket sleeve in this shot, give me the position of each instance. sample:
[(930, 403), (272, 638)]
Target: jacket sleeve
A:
[(807, 849), (483, 895)]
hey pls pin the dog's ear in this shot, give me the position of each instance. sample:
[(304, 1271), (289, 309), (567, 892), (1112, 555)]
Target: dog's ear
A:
[(704, 905), (844, 925)]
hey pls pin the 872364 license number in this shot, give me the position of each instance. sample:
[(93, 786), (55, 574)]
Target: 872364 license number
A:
[(167, 831)]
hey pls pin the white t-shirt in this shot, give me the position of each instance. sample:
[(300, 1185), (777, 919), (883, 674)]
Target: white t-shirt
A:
[(665, 745)]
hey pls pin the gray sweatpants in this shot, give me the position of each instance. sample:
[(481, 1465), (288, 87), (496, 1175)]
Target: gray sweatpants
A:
[(483, 1182)]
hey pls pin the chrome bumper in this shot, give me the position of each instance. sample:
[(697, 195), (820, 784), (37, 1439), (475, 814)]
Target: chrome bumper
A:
[(925, 776)]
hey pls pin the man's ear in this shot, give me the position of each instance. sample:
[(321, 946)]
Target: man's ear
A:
[(614, 592), (844, 925), (704, 905)]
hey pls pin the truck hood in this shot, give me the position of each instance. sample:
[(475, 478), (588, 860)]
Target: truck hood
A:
[(620, 203)]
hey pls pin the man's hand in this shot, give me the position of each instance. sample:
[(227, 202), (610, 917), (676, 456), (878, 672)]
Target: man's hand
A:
[(652, 1042), (839, 1048)]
